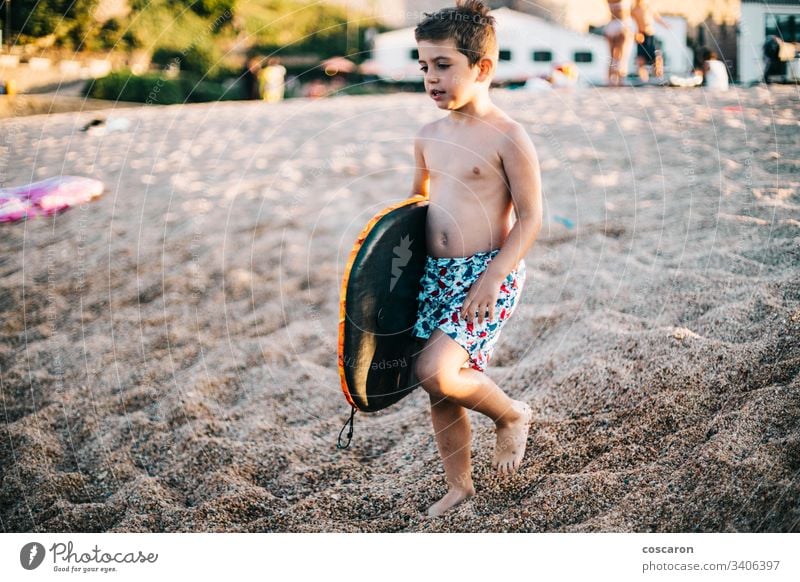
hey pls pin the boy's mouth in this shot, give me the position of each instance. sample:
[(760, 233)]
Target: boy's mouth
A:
[(436, 93)]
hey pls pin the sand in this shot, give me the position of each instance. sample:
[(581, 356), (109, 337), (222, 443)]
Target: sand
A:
[(168, 354)]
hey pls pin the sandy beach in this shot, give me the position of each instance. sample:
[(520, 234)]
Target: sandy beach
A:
[(168, 355)]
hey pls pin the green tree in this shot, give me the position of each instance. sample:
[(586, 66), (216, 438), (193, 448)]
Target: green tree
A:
[(212, 7), (69, 20)]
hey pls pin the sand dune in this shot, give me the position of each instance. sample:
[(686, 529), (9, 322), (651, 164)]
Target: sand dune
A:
[(168, 354)]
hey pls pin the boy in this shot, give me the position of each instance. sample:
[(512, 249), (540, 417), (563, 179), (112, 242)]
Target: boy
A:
[(479, 165)]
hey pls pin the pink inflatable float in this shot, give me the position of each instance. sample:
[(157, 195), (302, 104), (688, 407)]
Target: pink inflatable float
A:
[(47, 197)]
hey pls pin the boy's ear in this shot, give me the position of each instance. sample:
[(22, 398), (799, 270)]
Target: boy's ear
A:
[(485, 65)]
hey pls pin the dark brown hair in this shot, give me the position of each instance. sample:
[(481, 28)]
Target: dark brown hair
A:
[(468, 24)]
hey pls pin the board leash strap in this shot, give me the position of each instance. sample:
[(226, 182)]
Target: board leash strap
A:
[(339, 444)]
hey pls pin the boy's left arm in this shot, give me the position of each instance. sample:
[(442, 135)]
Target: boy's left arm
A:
[(521, 166)]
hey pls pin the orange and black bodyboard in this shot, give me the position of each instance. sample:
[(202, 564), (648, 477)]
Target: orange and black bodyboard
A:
[(378, 307)]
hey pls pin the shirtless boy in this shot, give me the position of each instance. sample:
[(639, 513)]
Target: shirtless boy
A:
[(475, 165)]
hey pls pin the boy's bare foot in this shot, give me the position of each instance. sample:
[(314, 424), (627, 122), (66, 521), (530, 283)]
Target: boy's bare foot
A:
[(453, 497), (511, 440)]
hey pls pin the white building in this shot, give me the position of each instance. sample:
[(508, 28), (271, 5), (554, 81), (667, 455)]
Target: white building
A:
[(530, 47), (759, 20)]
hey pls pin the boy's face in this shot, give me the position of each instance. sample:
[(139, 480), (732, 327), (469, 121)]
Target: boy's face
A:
[(449, 80)]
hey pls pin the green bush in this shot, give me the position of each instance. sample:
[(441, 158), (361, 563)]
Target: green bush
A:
[(156, 89), (163, 56), (197, 91), (201, 59), (125, 86)]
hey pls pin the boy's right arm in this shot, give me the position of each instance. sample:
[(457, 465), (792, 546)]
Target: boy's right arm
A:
[(421, 173)]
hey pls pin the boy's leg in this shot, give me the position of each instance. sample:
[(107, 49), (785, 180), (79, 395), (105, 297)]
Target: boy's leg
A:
[(451, 428), (439, 370), (512, 426), (454, 440)]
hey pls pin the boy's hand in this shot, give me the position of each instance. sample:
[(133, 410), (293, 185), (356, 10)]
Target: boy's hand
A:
[(482, 298)]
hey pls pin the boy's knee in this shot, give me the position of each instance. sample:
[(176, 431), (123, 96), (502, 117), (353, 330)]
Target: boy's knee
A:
[(432, 377)]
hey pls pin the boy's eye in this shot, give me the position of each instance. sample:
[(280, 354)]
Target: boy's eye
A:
[(423, 69)]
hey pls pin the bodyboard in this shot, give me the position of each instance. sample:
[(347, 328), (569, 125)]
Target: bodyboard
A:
[(378, 307)]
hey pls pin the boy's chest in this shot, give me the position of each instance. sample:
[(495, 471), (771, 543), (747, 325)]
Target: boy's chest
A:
[(465, 162)]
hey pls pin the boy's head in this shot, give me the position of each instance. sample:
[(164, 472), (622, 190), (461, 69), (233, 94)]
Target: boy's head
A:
[(468, 24), (464, 36)]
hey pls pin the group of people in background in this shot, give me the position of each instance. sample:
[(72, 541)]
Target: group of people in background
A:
[(266, 80), (633, 20)]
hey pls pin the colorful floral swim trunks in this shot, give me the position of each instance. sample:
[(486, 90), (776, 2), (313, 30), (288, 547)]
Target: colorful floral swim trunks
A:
[(442, 291)]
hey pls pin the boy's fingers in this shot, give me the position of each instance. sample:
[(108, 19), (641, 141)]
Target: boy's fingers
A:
[(472, 311), (465, 312)]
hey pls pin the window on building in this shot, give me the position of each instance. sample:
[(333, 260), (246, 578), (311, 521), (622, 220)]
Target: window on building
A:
[(783, 25), (414, 55), (542, 56), (582, 57)]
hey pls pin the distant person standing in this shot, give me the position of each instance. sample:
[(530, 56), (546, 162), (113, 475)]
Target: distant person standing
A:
[(777, 54), (619, 33), (771, 49), (646, 55), (272, 81), (250, 78)]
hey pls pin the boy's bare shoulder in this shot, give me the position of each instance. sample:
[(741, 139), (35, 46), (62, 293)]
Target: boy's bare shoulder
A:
[(510, 128), (515, 136), (504, 128), (429, 129)]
